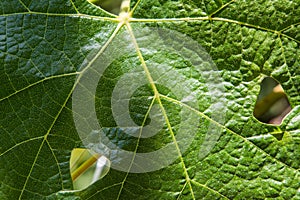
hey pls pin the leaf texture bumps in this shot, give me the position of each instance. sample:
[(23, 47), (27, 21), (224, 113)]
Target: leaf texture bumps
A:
[(43, 45)]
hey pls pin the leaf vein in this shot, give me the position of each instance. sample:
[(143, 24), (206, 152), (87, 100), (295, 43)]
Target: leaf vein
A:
[(36, 83), (222, 7), (136, 148), (23, 4), (74, 6), (285, 62), (105, 188), (31, 169), (20, 143), (222, 126), (205, 186), (57, 163), (157, 97)]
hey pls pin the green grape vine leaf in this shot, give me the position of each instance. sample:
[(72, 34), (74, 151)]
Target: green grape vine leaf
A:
[(44, 44)]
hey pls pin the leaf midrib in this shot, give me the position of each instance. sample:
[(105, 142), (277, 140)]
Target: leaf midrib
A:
[(157, 98)]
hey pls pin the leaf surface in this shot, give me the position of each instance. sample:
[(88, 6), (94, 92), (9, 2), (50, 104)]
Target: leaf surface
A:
[(43, 45)]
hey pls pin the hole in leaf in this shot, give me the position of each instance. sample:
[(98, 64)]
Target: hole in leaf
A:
[(272, 104), (112, 6), (87, 167)]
